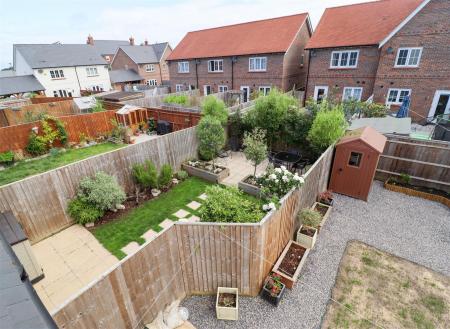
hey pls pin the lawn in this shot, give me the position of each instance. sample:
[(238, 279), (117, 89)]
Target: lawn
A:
[(374, 287), (117, 234), (27, 168)]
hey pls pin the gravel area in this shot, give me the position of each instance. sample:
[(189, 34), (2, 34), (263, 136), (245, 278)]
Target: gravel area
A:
[(412, 228)]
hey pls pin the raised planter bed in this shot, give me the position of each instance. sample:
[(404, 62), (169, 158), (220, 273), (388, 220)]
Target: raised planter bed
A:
[(249, 188), (270, 294), (207, 175), (227, 303), (324, 210), (290, 263), (306, 236), (417, 192)]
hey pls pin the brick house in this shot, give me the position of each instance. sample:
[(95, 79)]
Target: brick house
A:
[(388, 49), (254, 56), (147, 61)]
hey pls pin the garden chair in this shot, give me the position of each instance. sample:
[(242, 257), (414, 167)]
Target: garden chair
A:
[(299, 166)]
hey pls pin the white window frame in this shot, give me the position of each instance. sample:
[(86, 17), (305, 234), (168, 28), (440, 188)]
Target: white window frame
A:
[(352, 93), (91, 71), (223, 88), (151, 82), (178, 88), (183, 67), (56, 74), (434, 104), (316, 91), (408, 56), (347, 66), (265, 89), (397, 102), (255, 60), (216, 62), (149, 68), (210, 90)]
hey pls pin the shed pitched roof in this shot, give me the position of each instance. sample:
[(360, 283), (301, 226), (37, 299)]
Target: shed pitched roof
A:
[(367, 135), (360, 24), (117, 76), (19, 84), (145, 54), (273, 35)]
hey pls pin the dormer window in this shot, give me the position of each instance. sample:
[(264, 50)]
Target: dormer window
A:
[(408, 57), (344, 59)]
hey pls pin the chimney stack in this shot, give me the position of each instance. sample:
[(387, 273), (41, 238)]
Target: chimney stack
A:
[(131, 41), (146, 42), (90, 40)]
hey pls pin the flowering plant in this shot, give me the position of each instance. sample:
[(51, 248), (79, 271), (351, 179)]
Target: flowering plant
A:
[(274, 285), (276, 182), (326, 195)]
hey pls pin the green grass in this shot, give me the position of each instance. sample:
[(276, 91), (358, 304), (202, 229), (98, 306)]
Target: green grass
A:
[(28, 168), (435, 304), (117, 234)]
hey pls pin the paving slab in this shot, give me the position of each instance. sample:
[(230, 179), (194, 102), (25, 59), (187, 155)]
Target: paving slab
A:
[(166, 223), (181, 214), (194, 205), (203, 196), (130, 248), (149, 235)]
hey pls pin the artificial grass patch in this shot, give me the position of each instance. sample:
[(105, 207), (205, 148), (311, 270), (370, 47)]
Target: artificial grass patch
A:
[(117, 234)]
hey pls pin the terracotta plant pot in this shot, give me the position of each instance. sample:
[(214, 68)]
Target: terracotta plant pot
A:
[(227, 312)]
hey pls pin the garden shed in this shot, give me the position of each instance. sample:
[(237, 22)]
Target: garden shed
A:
[(130, 115), (355, 162)]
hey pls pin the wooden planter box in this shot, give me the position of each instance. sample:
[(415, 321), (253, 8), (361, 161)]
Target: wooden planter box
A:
[(287, 280), (227, 313), (249, 188), (207, 175), (325, 217), (306, 240), (420, 194)]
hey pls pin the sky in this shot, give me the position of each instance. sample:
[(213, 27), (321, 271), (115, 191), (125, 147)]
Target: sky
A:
[(71, 21)]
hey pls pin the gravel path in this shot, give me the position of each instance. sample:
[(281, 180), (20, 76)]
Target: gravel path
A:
[(412, 228)]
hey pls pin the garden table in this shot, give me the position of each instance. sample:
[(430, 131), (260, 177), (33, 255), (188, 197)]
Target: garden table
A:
[(288, 158)]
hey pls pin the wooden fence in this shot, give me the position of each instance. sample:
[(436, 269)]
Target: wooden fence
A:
[(91, 124), (42, 99), (427, 162), (39, 202), (191, 258)]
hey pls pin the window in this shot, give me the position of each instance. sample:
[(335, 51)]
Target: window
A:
[(56, 74), (223, 89), (149, 68), (91, 71), (178, 88), (183, 67), (215, 65), (55, 93), (206, 90), (320, 92), (257, 64), (397, 96), (352, 93), (344, 59), (96, 88), (61, 93), (264, 90), (151, 82), (355, 159), (408, 57)]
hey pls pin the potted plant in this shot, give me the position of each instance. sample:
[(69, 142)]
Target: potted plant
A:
[(290, 263), (324, 210), (326, 197), (227, 303), (273, 289), (307, 233)]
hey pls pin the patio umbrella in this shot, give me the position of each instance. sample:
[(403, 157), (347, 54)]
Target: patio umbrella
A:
[(403, 111)]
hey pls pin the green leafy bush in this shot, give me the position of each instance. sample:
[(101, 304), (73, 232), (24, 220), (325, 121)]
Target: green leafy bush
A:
[(182, 175), (214, 107), (374, 110), (83, 212), (229, 205), (165, 175), (98, 107), (310, 217), (102, 191), (297, 125), (255, 147), (35, 145), (211, 135), (327, 127), (177, 99), (145, 174), (7, 157)]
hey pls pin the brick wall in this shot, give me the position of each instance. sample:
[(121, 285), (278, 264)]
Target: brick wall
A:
[(123, 61)]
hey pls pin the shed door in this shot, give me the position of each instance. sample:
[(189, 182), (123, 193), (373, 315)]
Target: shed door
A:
[(350, 172)]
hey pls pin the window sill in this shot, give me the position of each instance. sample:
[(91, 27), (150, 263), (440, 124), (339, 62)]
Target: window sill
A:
[(215, 72), (343, 68), (405, 67), (257, 71), (93, 76), (183, 72), (58, 78)]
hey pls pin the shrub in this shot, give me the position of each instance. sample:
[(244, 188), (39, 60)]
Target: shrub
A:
[(374, 110), (165, 175), (229, 205), (277, 182), (83, 212), (310, 217), (35, 145), (214, 107), (212, 137), (327, 127), (102, 191), (98, 107), (145, 174), (177, 99), (7, 157), (297, 125), (182, 175), (255, 147)]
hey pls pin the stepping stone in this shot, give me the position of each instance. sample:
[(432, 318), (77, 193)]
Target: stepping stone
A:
[(181, 213), (194, 205), (190, 219), (149, 235), (166, 223), (130, 248), (203, 196)]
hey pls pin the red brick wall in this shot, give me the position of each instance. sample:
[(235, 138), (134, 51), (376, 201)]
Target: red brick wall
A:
[(320, 73), (429, 29), (122, 61)]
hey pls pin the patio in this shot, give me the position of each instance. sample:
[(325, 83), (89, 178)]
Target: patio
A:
[(240, 167), (389, 221)]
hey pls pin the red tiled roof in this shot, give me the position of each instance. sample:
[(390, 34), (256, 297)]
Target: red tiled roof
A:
[(260, 37), (360, 24)]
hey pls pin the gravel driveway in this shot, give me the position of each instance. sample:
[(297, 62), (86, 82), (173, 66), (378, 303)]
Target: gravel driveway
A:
[(412, 228)]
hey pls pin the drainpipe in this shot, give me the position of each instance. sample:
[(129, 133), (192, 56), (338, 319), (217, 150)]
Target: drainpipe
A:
[(78, 79), (196, 73), (233, 60), (307, 76)]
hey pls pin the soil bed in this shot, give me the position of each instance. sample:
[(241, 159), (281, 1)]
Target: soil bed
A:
[(396, 182), (291, 260), (251, 180), (307, 231), (322, 209), (227, 300)]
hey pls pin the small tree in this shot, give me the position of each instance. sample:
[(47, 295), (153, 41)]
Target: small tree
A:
[(328, 126), (211, 134), (98, 107), (255, 147), (214, 107)]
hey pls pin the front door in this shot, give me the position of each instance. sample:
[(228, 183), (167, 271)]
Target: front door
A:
[(206, 90), (245, 94), (440, 105), (320, 92)]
